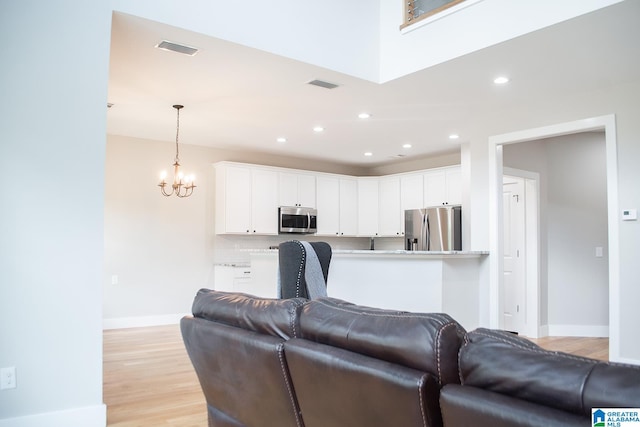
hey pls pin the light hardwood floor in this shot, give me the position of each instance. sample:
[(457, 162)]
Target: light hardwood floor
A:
[(149, 380)]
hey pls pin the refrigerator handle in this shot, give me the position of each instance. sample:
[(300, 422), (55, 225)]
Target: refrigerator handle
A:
[(426, 231)]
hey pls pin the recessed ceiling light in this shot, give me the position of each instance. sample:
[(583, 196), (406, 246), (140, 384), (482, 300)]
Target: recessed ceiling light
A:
[(454, 136), (281, 140), (318, 129), (364, 115), (368, 154), (501, 80), (406, 145)]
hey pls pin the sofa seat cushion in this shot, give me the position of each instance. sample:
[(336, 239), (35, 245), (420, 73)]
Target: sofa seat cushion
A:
[(468, 406), (501, 362), (268, 316), (426, 342)]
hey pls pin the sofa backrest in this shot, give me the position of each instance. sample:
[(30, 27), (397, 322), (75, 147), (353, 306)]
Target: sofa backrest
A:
[(277, 317), (505, 363), (236, 345), (425, 342)]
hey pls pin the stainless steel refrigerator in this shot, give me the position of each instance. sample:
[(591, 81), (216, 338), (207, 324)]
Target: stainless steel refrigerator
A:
[(438, 228)]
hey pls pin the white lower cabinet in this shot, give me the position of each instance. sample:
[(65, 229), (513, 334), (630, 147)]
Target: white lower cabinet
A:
[(231, 278)]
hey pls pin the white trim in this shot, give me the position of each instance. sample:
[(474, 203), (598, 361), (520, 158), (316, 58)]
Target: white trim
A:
[(88, 416), (593, 331), (544, 331), (608, 123), (141, 321)]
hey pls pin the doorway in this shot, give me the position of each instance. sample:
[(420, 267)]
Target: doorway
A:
[(496, 143)]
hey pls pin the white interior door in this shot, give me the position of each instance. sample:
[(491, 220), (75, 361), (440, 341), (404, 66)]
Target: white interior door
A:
[(514, 289)]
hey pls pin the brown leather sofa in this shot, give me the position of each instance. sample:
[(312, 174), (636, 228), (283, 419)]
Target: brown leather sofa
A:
[(329, 363), (320, 363), (508, 381)]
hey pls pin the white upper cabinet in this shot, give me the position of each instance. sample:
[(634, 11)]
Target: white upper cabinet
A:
[(336, 199), (390, 212), (328, 206), (264, 208), (248, 196), (297, 189), (368, 188), (246, 200), (348, 206), (411, 191), (442, 187)]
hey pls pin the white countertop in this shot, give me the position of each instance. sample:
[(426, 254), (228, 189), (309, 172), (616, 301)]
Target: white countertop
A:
[(386, 253)]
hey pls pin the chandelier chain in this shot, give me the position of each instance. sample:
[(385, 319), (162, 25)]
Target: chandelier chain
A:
[(177, 133)]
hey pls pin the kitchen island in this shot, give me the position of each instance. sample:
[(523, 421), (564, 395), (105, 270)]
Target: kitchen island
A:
[(452, 282)]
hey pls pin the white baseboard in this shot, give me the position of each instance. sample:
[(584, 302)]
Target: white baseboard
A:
[(593, 331), (141, 321), (543, 331), (89, 416), (626, 361)]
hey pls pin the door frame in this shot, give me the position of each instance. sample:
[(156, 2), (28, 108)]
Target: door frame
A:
[(531, 248), (496, 142)]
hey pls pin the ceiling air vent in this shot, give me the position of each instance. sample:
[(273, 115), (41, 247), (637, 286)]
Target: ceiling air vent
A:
[(175, 47), (323, 84)]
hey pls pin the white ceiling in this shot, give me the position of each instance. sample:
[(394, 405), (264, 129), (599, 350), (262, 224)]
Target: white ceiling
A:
[(243, 98)]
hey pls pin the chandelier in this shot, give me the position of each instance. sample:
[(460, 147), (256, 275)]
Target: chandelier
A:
[(182, 185)]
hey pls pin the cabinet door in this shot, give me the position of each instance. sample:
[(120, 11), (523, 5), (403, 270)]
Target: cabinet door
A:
[(368, 206), (328, 205), (307, 190), (288, 189), (443, 187), (237, 200), (435, 188), (390, 211), (454, 186), (411, 192), (348, 206), (297, 189), (264, 202)]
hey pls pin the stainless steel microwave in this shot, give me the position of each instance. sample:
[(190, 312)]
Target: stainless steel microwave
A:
[(297, 219)]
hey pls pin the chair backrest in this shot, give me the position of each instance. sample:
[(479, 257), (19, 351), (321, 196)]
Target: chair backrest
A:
[(292, 259)]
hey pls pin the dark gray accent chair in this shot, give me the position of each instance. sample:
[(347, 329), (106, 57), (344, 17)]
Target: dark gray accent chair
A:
[(292, 259)]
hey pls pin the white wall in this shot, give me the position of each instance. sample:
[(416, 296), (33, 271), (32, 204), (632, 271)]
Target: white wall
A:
[(339, 35), (575, 292), (620, 100), (54, 90), (163, 249), (482, 24)]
